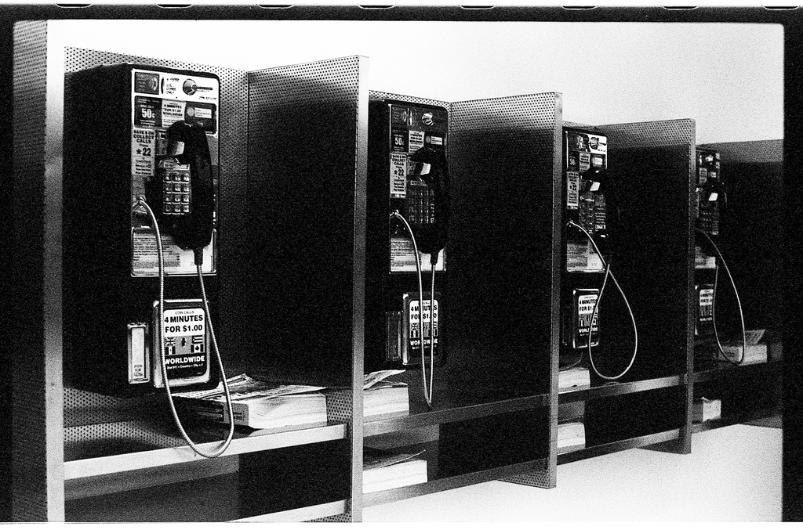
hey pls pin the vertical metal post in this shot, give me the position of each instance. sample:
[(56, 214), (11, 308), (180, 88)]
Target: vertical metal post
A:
[(37, 402), (358, 301)]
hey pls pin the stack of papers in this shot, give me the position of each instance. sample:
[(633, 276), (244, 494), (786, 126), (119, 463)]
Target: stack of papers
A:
[(756, 351), (705, 409), (383, 470), (576, 378), (260, 404), (381, 396), (571, 436)]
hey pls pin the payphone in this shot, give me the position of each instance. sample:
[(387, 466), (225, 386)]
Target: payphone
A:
[(586, 271), (408, 216), (710, 198), (141, 168)]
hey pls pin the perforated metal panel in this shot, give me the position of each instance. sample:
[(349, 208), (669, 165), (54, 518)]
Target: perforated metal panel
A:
[(505, 177), (87, 408), (97, 440), (376, 95), (37, 495), (579, 125), (114, 419), (341, 518), (655, 167), (339, 406), (536, 113), (757, 152), (539, 478), (307, 195), (650, 133), (307, 154)]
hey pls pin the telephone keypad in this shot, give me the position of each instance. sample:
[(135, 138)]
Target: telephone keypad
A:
[(176, 191), (420, 203)]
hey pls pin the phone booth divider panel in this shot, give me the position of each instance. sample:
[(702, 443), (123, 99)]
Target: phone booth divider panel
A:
[(651, 167)]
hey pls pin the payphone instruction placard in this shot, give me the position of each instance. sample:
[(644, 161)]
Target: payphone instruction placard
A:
[(158, 100), (402, 257), (581, 257), (585, 308), (185, 342), (145, 258), (584, 328), (420, 326), (706, 305)]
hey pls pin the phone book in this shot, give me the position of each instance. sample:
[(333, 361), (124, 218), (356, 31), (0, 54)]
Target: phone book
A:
[(380, 396), (259, 404), (384, 470)]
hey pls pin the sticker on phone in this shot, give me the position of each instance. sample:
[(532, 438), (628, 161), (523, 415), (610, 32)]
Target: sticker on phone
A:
[(398, 175), (706, 305), (147, 112), (572, 190), (416, 141), (146, 82), (585, 308), (597, 144), (143, 146), (585, 161), (172, 111)]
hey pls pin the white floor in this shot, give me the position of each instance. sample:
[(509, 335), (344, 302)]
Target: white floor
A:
[(733, 474)]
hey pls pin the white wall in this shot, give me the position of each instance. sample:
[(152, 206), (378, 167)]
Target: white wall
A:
[(728, 77)]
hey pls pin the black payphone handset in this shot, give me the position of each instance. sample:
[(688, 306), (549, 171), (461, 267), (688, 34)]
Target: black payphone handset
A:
[(430, 227), (426, 218), (183, 188), (183, 193)]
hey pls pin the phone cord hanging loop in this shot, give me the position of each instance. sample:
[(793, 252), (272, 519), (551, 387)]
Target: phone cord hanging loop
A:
[(428, 391), (225, 443), (608, 273), (720, 351)]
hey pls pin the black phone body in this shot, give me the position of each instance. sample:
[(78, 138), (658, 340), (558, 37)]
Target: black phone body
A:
[(584, 201), (116, 127), (408, 173), (709, 199)]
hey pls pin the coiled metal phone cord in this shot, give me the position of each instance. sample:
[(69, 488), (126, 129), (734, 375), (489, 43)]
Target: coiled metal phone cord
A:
[(428, 392), (225, 443)]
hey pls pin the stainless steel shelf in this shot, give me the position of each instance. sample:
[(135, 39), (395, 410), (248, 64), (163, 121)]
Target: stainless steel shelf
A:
[(617, 389), (373, 427), (458, 481), (90, 467), (620, 445), (728, 370)]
